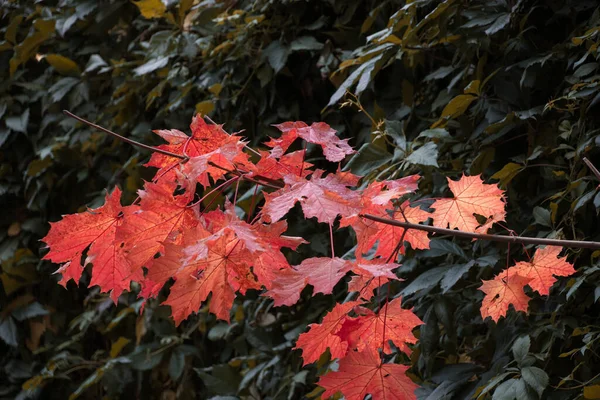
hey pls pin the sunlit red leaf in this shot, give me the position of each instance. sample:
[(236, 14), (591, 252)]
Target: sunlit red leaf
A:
[(323, 198), (505, 289), (362, 373), (323, 336), (546, 264), (471, 196), (371, 330), (319, 133)]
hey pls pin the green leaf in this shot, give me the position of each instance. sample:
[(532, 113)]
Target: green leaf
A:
[(18, 124), (542, 216), (277, 55), (498, 24), (426, 280), (536, 378), (176, 364), (520, 348), (8, 332), (367, 67), (512, 389), (454, 274), (424, 155), (368, 158), (152, 65), (94, 63), (305, 43), (61, 88)]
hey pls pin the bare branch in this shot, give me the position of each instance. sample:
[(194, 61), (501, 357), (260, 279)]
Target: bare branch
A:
[(123, 138), (483, 236)]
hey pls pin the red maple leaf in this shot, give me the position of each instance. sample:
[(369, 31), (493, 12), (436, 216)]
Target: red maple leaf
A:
[(323, 273), (323, 336), (222, 271), (371, 330), (369, 232), (95, 229), (471, 196), (371, 274), (205, 139), (505, 289), (228, 157), (362, 373), (273, 167), (159, 220), (320, 133), (323, 198), (543, 268)]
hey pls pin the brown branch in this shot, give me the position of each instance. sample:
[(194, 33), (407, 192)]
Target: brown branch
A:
[(592, 167), (123, 138), (483, 236)]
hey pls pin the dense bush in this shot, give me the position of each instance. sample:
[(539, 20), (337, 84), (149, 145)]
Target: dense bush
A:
[(504, 88)]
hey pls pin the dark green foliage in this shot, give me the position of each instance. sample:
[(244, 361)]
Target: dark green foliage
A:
[(507, 89)]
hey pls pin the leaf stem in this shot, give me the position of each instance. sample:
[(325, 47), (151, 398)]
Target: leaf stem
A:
[(592, 167), (123, 138), (484, 236)]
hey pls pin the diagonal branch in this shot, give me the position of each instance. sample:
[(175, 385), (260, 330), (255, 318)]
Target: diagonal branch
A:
[(123, 138), (484, 236)]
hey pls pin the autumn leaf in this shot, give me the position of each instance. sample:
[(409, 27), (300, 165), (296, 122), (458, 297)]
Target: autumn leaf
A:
[(323, 336), (320, 133), (471, 196), (371, 274), (505, 289), (543, 268), (96, 229), (273, 167), (323, 273), (371, 330), (369, 232), (362, 373), (222, 271), (322, 198), (160, 219)]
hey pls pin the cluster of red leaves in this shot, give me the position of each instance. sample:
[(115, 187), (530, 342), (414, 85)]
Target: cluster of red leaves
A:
[(212, 255)]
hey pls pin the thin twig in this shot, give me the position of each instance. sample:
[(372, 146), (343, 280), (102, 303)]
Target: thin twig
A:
[(592, 167), (483, 236), (123, 138)]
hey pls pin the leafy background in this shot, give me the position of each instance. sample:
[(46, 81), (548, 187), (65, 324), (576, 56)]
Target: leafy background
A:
[(509, 89)]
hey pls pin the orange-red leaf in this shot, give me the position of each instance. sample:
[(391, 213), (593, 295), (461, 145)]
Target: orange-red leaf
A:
[(543, 268), (323, 336), (370, 330), (95, 229), (362, 373), (505, 289), (371, 274), (319, 133), (222, 271), (471, 196), (161, 218), (323, 273), (323, 198)]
